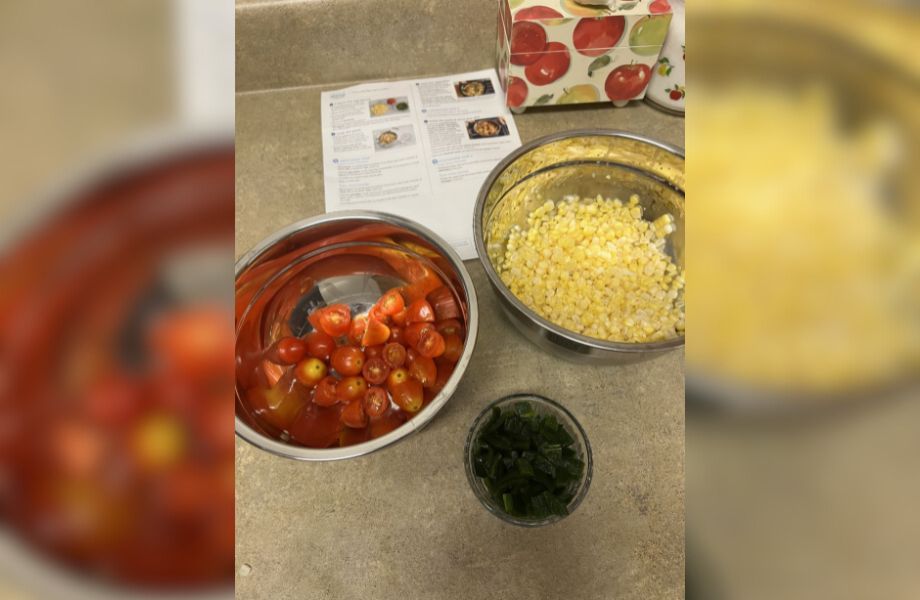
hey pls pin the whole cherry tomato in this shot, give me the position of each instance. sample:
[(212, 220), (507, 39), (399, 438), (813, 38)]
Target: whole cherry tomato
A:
[(413, 333), (431, 344), (348, 360), (394, 354), (320, 344), (376, 332), (444, 304), (358, 327), (396, 377), (373, 351), (391, 303), (450, 327), (420, 311), (350, 388), (310, 371), (335, 319), (408, 395), (397, 334), (411, 355), (324, 393), (453, 347), (400, 317), (288, 350), (375, 370), (376, 401), (423, 369), (353, 415)]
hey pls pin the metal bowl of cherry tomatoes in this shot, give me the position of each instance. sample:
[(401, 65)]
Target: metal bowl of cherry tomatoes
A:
[(353, 330)]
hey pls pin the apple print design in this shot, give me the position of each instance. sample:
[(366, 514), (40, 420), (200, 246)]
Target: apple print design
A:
[(664, 66), (676, 93), (540, 13), (596, 36), (659, 7), (552, 64), (528, 42), (627, 81), (517, 92)]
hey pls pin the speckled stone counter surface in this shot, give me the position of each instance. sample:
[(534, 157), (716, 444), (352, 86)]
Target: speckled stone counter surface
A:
[(403, 523)]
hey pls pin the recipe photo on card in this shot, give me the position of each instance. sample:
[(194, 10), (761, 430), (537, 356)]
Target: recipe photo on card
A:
[(417, 148)]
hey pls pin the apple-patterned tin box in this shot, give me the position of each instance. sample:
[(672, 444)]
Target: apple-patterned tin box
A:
[(565, 52)]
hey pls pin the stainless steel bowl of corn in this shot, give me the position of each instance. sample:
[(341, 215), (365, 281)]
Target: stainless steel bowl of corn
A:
[(582, 237)]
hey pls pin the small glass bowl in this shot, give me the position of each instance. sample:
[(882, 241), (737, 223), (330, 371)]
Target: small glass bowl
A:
[(542, 406)]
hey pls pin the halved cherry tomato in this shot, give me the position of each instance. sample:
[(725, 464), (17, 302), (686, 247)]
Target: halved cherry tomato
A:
[(444, 304), (358, 327), (450, 327), (420, 312), (353, 415), (391, 303), (373, 351), (377, 313), (350, 388), (376, 333), (453, 347), (310, 371), (320, 344), (413, 333), (324, 393), (288, 350), (396, 377), (376, 401), (431, 343), (394, 354), (408, 395), (375, 370), (335, 319), (400, 317), (423, 369), (397, 334), (348, 360), (315, 318)]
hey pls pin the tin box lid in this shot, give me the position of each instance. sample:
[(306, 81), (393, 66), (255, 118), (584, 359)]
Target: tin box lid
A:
[(553, 10)]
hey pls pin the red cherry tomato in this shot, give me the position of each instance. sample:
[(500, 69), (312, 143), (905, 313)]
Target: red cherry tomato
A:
[(397, 335), (320, 345), (400, 317), (358, 327), (324, 393), (315, 318), (394, 354), (288, 350), (353, 415), (408, 395), (413, 333), (348, 360), (450, 327), (411, 355), (431, 344), (453, 347), (373, 351), (423, 369), (310, 371), (396, 377), (391, 303), (377, 313), (375, 370), (335, 319), (350, 388), (420, 311), (444, 304), (376, 402), (376, 332)]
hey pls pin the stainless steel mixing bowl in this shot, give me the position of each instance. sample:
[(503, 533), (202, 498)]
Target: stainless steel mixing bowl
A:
[(344, 257), (613, 164)]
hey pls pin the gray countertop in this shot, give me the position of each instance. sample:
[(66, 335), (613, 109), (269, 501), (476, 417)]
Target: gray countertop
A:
[(403, 523)]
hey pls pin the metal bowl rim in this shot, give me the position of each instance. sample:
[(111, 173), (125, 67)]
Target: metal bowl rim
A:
[(244, 431), (499, 285)]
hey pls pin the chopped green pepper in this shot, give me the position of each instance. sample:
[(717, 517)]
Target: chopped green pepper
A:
[(527, 462)]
